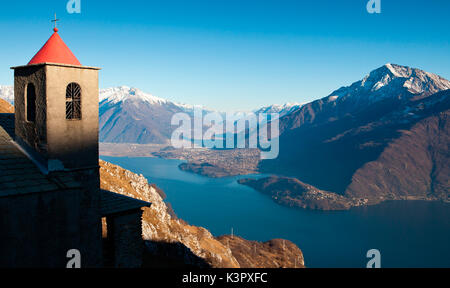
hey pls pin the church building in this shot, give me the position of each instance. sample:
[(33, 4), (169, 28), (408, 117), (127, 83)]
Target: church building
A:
[(51, 203)]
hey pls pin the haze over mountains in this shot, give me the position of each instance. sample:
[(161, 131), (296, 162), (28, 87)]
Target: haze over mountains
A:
[(129, 115)]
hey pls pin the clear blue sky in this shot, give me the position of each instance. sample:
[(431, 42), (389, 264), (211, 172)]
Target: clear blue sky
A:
[(233, 54)]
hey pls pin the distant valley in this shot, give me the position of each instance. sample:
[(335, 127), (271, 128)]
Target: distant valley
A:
[(129, 115)]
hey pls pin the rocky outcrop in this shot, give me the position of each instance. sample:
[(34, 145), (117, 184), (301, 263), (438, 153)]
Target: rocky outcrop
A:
[(170, 240), (276, 253), (158, 225)]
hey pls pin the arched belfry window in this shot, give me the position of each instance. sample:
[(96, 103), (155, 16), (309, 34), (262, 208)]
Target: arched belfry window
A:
[(31, 103), (73, 102)]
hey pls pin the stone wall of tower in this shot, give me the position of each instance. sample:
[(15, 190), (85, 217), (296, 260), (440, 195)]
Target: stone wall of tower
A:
[(39, 229), (58, 143), (72, 142), (32, 134), (124, 239)]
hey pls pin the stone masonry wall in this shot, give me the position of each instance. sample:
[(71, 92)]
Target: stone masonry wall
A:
[(125, 239)]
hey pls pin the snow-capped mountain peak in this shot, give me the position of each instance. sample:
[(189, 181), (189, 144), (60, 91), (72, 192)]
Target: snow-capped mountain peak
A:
[(415, 80), (389, 78), (116, 95), (123, 93), (282, 109), (397, 70)]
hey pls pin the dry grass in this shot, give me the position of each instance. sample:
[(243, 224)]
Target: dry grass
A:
[(5, 107)]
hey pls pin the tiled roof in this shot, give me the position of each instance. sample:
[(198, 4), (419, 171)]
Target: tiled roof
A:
[(7, 123), (18, 174), (55, 51), (112, 203)]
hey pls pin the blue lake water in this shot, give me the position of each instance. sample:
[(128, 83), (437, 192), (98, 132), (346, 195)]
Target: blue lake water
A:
[(407, 233)]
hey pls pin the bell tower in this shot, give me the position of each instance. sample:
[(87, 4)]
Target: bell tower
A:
[(56, 126), (56, 104)]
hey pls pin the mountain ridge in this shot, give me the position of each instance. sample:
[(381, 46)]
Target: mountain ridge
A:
[(388, 82), (338, 142)]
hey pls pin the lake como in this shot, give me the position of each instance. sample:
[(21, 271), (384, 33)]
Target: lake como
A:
[(407, 233)]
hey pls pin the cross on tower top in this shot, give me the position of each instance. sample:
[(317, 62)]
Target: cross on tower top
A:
[(55, 21)]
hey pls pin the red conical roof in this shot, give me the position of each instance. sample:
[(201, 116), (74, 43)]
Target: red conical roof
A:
[(55, 51)]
